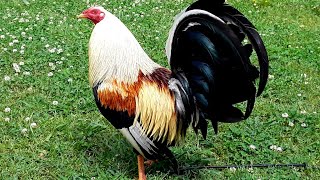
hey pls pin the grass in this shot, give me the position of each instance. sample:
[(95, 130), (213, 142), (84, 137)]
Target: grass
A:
[(72, 140)]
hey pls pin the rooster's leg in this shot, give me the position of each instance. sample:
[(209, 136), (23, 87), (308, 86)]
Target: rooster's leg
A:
[(141, 170)]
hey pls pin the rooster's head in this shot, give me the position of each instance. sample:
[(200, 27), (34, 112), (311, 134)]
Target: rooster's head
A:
[(95, 14)]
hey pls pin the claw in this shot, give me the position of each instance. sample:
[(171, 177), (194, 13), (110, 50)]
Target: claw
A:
[(150, 162)]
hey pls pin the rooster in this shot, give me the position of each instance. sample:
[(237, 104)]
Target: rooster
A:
[(210, 72)]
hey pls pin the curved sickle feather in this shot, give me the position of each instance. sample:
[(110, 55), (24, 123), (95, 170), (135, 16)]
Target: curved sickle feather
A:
[(233, 15)]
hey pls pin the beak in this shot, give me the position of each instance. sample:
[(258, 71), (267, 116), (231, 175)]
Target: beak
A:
[(81, 16)]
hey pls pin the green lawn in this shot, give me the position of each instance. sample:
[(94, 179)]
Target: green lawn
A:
[(71, 140)]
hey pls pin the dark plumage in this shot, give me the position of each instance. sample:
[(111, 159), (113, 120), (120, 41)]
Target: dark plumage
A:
[(209, 50)]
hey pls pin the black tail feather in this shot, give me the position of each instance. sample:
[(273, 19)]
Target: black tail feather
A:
[(208, 48), (233, 15)]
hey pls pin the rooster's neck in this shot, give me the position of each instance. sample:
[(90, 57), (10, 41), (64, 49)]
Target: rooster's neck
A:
[(114, 53)]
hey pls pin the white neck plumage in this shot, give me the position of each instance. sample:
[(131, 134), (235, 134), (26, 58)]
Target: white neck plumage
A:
[(114, 53)]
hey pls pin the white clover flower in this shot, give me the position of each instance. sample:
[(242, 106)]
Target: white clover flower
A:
[(304, 75), (23, 33), (233, 169), (10, 43), (303, 112), (33, 125), (271, 76), (273, 147), (2, 36), (6, 119), (7, 109), (21, 20), (15, 41), (250, 169), (285, 115), (52, 50), (303, 125), (70, 80), (16, 67), (291, 124), (55, 103), (30, 38), (27, 119), (14, 50), (24, 130), (27, 73), (299, 94), (279, 149), (7, 78), (21, 63), (252, 147), (51, 64), (50, 74), (59, 51)]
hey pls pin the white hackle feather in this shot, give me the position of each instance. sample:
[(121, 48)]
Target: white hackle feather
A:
[(104, 64)]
